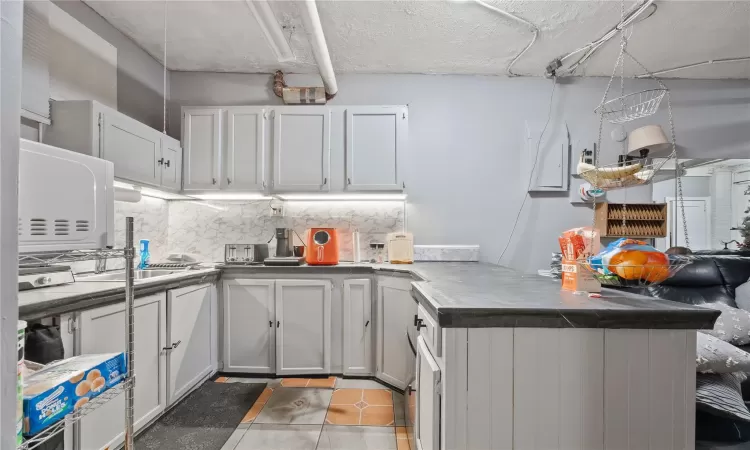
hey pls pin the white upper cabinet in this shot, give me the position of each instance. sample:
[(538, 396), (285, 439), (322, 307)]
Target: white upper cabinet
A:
[(301, 148), (140, 154), (135, 154), (303, 321), (245, 149), (376, 139), (171, 163), (201, 139)]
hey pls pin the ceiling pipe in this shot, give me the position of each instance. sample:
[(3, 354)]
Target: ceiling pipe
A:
[(311, 21), (690, 66)]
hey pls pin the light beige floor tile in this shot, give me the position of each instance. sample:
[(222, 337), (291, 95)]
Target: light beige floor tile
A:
[(235, 437), (264, 436), (296, 406), (357, 438)]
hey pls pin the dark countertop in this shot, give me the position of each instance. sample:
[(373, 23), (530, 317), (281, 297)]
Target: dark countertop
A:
[(474, 295), (457, 294), (56, 300)]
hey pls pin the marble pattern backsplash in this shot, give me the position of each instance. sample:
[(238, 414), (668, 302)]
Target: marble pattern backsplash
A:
[(150, 219), (202, 228), (446, 253)]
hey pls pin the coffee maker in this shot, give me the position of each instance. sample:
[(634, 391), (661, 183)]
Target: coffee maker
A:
[(284, 255), (284, 242)]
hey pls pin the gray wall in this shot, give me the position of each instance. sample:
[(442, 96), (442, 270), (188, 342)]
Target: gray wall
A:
[(139, 75), (465, 140), (691, 187)]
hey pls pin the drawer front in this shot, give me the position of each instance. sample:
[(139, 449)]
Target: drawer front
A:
[(430, 332)]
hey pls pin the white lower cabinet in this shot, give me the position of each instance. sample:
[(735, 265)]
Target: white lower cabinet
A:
[(395, 309), (427, 426), (357, 327), (190, 338), (303, 327), (102, 330), (249, 326)]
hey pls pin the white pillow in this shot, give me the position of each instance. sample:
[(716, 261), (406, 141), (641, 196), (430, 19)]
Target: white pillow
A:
[(742, 296)]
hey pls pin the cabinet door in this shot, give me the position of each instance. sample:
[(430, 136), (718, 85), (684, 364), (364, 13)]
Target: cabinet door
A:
[(102, 330), (376, 148), (245, 157), (133, 147), (189, 336), (427, 432), (396, 309), (303, 326), (201, 141), (357, 327), (171, 163), (301, 148), (249, 326)]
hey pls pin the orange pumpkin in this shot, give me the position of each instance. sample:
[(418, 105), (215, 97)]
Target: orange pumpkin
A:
[(628, 263)]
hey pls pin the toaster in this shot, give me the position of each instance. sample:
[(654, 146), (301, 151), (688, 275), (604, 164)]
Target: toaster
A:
[(245, 253), (322, 247)]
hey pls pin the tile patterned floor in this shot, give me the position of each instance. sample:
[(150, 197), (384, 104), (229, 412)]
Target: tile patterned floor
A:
[(321, 413)]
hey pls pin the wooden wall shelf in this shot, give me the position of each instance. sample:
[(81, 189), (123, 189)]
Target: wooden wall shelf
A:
[(642, 220)]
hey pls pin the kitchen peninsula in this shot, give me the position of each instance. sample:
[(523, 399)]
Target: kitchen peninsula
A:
[(503, 360)]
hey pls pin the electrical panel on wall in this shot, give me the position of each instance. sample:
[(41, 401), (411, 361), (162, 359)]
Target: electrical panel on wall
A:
[(546, 166)]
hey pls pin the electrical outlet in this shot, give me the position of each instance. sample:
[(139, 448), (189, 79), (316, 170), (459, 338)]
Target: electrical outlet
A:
[(277, 211)]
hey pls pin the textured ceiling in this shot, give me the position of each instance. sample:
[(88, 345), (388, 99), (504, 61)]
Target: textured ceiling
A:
[(437, 36)]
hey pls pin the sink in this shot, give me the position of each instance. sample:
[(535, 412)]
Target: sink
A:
[(140, 275)]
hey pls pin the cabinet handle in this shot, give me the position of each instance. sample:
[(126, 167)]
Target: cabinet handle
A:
[(213, 180), (348, 181), (229, 180), (418, 322), (277, 324), (325, 181), (263, 184), (167, 163), (367, 323), (173, 346), (403, 184), (160, 161), (270, 323)]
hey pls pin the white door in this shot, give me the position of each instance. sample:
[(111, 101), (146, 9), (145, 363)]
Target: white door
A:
[(189, 337), (102, 330), (171, 163), (376, 139), (245, 157), (357, 327), (133, 147), (201, 141), (427, 429), (249, 326), (698, 218), (396, 310), (303, 326), (301, 148)]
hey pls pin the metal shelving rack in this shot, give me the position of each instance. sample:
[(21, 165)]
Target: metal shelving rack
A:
[(127, 386)]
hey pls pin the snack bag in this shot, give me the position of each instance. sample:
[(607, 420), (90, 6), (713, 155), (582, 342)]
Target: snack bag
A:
[(632, 260), (577, 245)]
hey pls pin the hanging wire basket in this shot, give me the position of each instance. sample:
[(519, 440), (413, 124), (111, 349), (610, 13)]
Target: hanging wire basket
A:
[(615, 176), (631, 106), (634, 276)]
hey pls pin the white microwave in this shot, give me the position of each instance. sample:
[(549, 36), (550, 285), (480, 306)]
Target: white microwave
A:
[(65, 200)]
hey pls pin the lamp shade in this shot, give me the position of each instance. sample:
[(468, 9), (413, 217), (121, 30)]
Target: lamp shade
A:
[(650, 139)]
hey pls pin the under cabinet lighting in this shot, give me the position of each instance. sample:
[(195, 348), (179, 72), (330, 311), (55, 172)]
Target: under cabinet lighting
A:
[(149, 192), (232, 196), (342, 197)]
